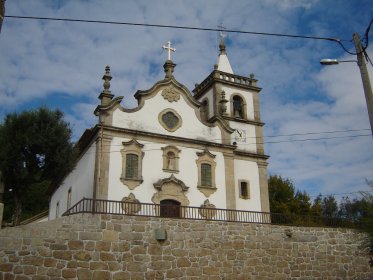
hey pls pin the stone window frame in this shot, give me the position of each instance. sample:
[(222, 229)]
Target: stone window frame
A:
[(164, 125), (135, 148), (206, 157), (244, 106), (166, 150), (241, 194)]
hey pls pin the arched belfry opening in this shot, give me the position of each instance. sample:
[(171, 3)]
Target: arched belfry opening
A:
[(238, 107)]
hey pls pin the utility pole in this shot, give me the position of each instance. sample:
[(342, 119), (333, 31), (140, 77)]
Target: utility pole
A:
[(2, 12), (364, 77)]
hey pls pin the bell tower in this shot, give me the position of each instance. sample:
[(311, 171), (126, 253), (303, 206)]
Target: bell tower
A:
[(235, 100)]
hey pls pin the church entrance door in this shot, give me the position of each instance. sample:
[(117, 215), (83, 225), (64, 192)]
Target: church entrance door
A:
[(170, 208)]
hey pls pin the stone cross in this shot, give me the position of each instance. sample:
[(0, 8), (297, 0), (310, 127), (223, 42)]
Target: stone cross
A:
[(169, 49)]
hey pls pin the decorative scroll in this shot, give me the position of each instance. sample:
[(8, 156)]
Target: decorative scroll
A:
[(130, 204), (207, 210)]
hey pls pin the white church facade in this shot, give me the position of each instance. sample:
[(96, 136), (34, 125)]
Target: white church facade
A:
[(202, 148)]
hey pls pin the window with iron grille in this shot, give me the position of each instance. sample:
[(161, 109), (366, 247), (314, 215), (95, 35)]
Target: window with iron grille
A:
[(206, 175), (244, 189), (132, 162)]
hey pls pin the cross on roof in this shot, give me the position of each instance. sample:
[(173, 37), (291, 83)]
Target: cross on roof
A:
[(221, 30), (169, 49)]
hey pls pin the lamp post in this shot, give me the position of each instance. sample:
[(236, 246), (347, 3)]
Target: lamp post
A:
[(364, 75)]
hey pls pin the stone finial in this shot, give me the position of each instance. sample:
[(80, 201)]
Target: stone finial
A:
[(252, 76), (107, 78), (223, 103), (222, 47), (106, 95), (169, 67)]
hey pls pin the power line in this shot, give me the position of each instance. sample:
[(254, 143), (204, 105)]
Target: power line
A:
[(337, 194), (177, 27), (313, 133)]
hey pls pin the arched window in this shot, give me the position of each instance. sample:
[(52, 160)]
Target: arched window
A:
[(132, 162), (206, 175), (238, 107)]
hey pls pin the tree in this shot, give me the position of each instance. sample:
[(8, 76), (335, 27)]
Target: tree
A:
[(281, 194), (36, 152), (284, 199), (329, 206), (360, 211)]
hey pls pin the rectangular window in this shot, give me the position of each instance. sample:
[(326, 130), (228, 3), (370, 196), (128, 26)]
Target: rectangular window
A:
[(244, 189), (206, 174), (57, 209), (132, 166), (69, 199)]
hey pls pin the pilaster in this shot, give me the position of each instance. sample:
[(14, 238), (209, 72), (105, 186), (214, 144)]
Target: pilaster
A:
[(230, 181), (101, 183), (263, 182)]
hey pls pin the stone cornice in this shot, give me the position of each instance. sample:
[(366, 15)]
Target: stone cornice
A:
[(253, 122), (100, 108), (227, 79), (251, 155), (168, 138), (140, 94)]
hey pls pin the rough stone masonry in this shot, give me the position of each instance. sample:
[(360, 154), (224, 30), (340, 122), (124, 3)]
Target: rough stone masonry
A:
[(86, 246)]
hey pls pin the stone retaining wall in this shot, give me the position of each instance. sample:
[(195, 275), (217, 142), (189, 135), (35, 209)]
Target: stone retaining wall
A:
[(102, 247)]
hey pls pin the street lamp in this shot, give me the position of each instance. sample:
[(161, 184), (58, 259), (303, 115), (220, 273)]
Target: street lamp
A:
[(329, 61), (364, 75)]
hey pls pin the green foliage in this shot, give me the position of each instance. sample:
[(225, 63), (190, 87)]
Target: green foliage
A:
[(361, 212), (36, 153), (283, 198), (329, 206)]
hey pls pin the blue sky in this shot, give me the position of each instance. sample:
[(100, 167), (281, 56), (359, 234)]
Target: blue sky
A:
[(60, 65)]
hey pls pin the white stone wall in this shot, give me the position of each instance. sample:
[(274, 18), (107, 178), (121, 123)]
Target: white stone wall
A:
[(209, 96), (152, 172), (146, 119), (81, 181), (247, 170), (249, 142)]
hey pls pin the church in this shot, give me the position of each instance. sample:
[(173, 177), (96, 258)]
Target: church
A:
[(199, 149)]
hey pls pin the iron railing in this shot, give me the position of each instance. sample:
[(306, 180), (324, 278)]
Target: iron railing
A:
[(98, 206)]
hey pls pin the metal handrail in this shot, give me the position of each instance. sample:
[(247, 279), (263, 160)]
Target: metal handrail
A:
[(99, 206)]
